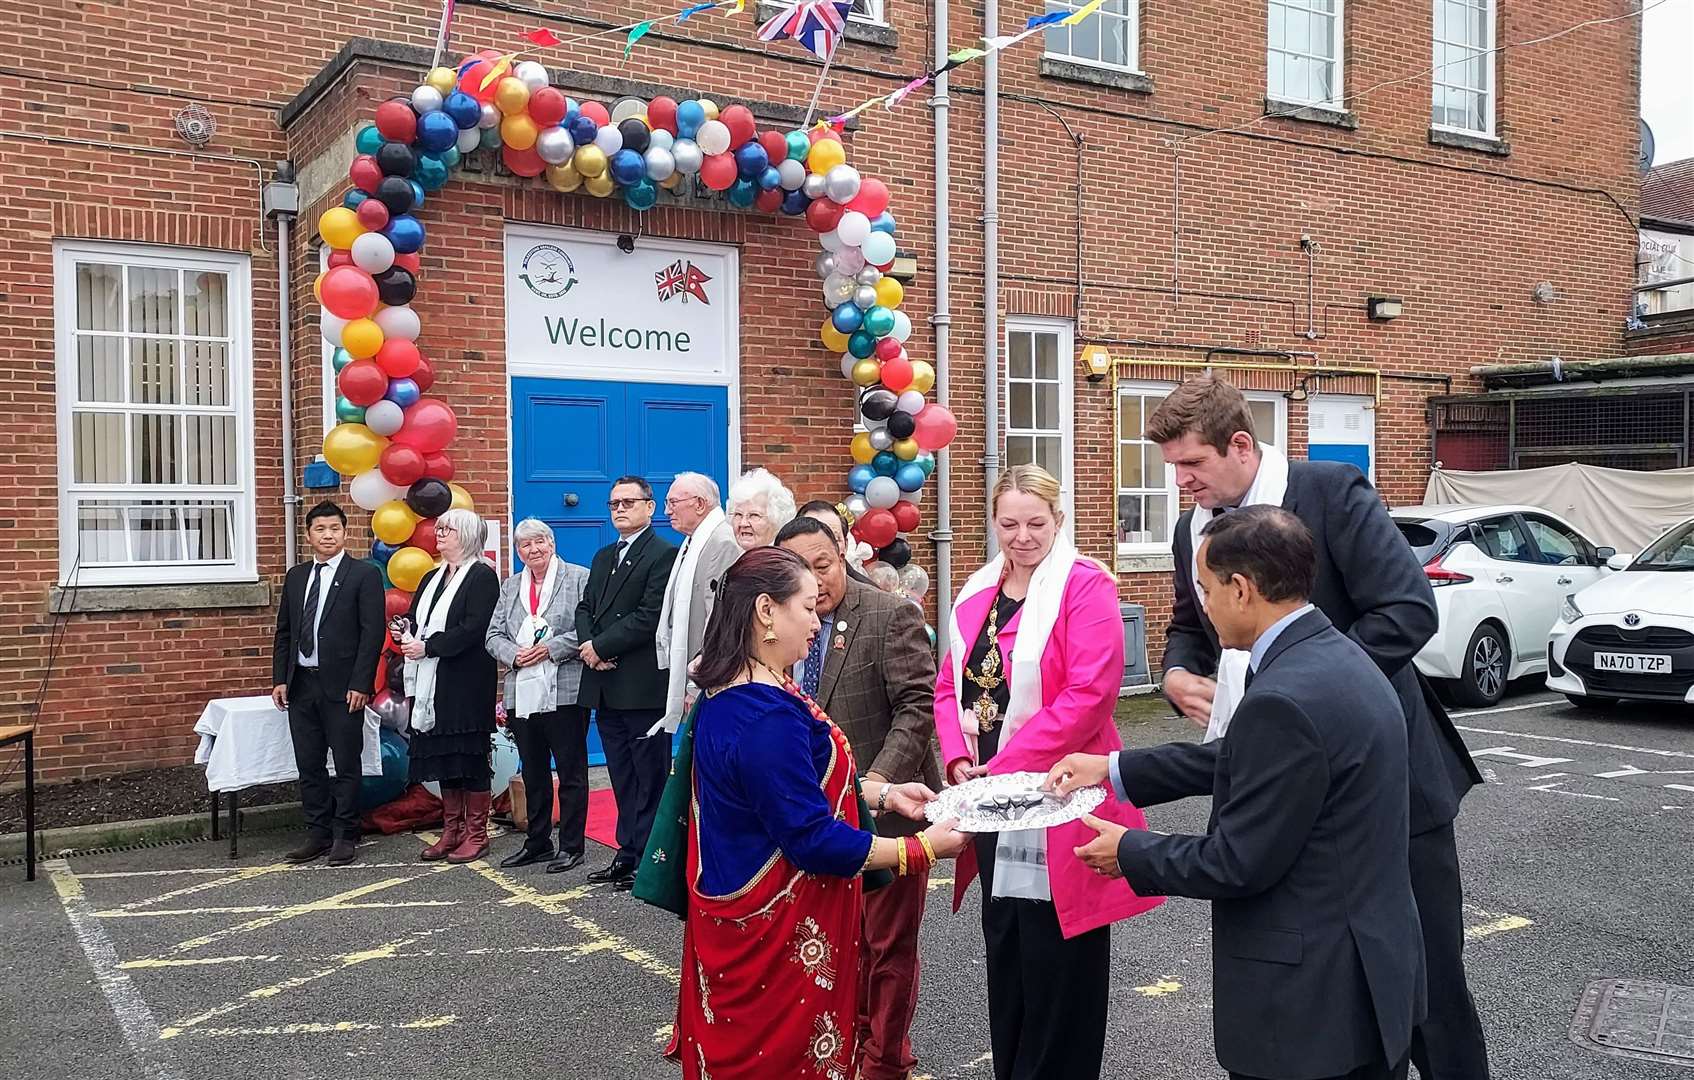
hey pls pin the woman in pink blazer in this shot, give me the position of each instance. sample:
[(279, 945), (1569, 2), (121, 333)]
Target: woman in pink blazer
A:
[(1033, 672)]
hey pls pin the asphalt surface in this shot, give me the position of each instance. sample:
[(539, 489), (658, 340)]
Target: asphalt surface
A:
[(173, 964)]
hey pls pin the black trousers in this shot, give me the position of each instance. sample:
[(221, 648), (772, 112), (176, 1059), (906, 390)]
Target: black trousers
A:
[(1378, 1071), (639, 766), (1449, 1045), (548, 741), (1047, 996), (320, 725)]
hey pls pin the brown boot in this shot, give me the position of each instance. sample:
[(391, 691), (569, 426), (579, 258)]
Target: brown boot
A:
[(452, 825), (475, 843)]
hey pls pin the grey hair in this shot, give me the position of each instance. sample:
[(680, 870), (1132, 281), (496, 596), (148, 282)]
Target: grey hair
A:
[(700, 484), (780, 507), (533, 526), (469, 527)]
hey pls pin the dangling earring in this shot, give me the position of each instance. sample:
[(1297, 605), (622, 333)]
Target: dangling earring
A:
[(770, 634)]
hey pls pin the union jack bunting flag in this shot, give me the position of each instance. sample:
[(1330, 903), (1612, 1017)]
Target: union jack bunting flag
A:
[(684, 280), (816, 24)]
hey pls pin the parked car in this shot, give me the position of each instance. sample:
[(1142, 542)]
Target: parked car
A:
[(1632, 634), (1500, 574)]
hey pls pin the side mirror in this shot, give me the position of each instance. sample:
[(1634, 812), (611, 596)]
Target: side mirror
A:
[(1604, 553), (1620, 562)]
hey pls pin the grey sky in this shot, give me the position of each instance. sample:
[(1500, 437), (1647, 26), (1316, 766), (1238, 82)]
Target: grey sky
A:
[(1667, 81)]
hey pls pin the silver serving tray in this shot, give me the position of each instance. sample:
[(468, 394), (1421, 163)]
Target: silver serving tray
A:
[(1011, 801)]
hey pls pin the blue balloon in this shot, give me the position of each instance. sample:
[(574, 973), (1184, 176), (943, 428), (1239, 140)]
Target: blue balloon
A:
[(417, 195), (770, 179), (436, 132), (642, 196), (883, 222), (406, 233), (628, 168), (847, 317), (885, 463), (382, 552), (573, 109), (742, 193), (463, 109), (751, 161), (794, 203), (862, 343), (690, 115), (353, 198), (910, 476), (860, 478), (403, 392), (583, 129), (370, 140), (431, 173)]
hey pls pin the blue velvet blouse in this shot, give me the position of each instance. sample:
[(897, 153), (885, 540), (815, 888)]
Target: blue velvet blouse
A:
[(759, 757)]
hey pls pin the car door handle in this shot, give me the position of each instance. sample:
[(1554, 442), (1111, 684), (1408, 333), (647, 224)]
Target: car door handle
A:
[(1503, 579), (1564, 581)]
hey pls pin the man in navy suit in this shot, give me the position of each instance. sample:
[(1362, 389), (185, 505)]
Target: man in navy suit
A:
[(1317, 954)]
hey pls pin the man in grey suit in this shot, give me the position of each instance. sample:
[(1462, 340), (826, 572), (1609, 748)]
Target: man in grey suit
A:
[(708, 550), (1317, 954)]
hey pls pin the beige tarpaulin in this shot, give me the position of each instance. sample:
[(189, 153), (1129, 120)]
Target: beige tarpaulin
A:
[(1614, 507)]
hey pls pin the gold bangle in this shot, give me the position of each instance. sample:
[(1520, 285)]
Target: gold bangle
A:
[(928, 849), (869, 855), (900, 869)]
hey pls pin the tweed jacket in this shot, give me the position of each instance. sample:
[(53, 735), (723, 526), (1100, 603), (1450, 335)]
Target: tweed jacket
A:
[(560, 614)]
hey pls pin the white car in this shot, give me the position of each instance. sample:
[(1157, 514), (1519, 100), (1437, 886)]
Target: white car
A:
[(1631, 635), (1500, 574)]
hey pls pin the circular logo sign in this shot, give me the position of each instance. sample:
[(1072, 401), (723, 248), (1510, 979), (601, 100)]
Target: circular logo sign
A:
[(1632, 619), (548, 271)]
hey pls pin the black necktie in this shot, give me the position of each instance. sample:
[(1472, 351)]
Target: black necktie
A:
[(1247, 684), (617, 557), (309, 632)]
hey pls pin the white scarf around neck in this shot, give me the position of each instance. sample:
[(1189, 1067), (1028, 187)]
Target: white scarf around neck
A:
[(433, 608), (537, 685), (672, 636)]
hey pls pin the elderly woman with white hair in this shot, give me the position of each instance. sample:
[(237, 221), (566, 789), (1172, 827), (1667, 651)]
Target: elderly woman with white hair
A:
[(533, 633), (759, 506), (452, 680)]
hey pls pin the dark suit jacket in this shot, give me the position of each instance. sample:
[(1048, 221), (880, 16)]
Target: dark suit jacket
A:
[(350, 630), (1370, 585), (879, 688), (467, 675), (619, 614), (1317, 953)]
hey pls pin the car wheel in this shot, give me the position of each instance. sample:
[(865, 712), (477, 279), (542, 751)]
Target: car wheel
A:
[(1483, 681), (1586, 702)]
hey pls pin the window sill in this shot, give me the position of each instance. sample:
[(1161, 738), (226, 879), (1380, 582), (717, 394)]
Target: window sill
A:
[(859, 33), (1312, 114), (1053, 67), (92, 599), (1146, 562), (1459, 140)]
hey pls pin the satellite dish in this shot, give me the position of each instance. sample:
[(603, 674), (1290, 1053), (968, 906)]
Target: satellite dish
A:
[(1647, 146)]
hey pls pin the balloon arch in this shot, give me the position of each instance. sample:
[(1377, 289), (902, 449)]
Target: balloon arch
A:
[(394, 441)]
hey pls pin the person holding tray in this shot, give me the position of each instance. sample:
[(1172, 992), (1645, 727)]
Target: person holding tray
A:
[(1032, 675)]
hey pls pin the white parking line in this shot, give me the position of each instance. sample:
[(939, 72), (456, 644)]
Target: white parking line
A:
[(1505, 708), (1579, 742)]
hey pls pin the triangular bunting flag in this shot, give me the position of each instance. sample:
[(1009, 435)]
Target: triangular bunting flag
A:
[(636, 33), (542, 37)]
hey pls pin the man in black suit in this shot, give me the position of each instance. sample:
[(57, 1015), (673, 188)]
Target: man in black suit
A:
[(1317, 956), (1370, 586), (621, 680), (323, 665)]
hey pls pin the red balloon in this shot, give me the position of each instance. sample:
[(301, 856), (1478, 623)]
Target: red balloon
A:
[(718, 172), (365, 173), (373, 215), (547, 107), (349, 292), (818, 134), (872, 198), (438, 465), (896, 373), (395, 602), (824, 214), (775, 144), (769, 201), (595, 112), (470, 81), (430, 425), (661, 114), (424, 375), (411, 260), (876, 528), (906, 515), (398, 358), (362, 382), (936, 427), (341, 258), (523, 162), (401, 465), (888, 348), (396, 120), (424, 536), (742, 127)]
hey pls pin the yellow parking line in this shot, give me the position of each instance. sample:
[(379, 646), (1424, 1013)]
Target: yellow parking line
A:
[(339, 1027), (1159, 988), (328, 903), (262, 909), (246, 874), (1497, 926)]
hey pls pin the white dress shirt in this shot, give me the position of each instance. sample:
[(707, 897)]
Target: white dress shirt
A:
[(325, 577)]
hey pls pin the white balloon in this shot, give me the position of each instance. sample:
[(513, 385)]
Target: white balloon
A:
[(531, 74), (813, 186), (469, 139), (426, 99), (688, 156), (837, 289), (853, 228), (370, 489), (902, 325), (842, 183), (913, 497), (624, 108), (848, 363), (850, 261), (910, 402), (856, 505), (660, 138), (490, 117), (880, 438), (373, 253), (384, 418), (609, 139), (792, 175), (332, 325), (878, 247), (555, 145), (399, 322), (661, 164), (713, 137), (882, 492), (832, 242)]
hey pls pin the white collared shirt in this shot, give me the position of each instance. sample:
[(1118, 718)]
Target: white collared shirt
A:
[(628, 545), (325, 577)]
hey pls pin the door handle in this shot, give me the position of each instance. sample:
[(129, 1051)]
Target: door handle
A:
[(1503, 579), (571, 498), (1564, 581)]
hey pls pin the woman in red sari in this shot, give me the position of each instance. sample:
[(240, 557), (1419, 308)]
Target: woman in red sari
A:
[(776, 847)]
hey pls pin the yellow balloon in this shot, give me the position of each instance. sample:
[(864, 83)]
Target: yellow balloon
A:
[(362, 338), (339, 227), (590, 161), (407, 567), (861, 448), (600, 186), (866, 372), (443, 79), (825, 155), (563, 177), (392, 522), (889, 292), (350, 449), (833, 340), (318, 286), (907, 449), (461, 498), (519, 132), (671, 181), (923, 376), (511, 96), (711, 108)]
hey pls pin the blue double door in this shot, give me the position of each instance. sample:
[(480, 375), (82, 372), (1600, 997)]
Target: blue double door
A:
[(573, 438)]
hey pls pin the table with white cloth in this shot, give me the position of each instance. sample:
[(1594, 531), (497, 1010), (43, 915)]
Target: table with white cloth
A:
[(245, 742)]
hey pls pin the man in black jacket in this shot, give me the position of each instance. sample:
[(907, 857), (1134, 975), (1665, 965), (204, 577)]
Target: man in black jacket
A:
[(621, 681), (329, 635), (1317, 955), (1370, 586)]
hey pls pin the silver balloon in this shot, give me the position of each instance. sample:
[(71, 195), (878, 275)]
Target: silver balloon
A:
[(848, 363), (824, 264), (881, 439), (688, 156), (910, 402), (469, 139), (913, 497), (392, 711), (792, 175), (850, 261), (842, 183), (555, 146), (870, 275), (661, 138), (864, 297), (490, 118), (856, 505), (882, 492), (661, 165), (838, 289), (813, 186)]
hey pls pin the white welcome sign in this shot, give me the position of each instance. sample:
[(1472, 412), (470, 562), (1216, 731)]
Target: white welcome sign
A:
[(578, 306)]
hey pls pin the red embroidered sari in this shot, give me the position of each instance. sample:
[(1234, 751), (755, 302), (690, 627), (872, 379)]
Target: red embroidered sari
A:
[(770, 973)]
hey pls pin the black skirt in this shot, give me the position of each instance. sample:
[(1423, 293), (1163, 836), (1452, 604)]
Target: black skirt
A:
[(449, 752)]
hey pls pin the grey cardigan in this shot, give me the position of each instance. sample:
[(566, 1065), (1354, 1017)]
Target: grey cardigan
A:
[(560, 614)]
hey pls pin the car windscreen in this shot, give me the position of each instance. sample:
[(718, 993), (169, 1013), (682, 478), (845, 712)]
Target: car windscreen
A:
[(1427, 538), (1672, 551)]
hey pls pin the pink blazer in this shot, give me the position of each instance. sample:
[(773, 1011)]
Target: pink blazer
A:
[(1080, 675)]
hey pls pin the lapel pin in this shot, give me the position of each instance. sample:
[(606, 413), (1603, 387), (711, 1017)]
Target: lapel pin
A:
[(842, 625), (840, 641)]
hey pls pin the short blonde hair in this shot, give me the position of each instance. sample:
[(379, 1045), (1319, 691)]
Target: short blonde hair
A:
[(1031, 480)]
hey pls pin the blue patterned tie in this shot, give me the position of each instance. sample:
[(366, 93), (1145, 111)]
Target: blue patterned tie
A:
[(813, 671)]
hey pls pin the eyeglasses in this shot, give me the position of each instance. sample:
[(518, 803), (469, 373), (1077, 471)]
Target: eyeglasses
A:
[(443, 530), (675, 501), (625, 504)]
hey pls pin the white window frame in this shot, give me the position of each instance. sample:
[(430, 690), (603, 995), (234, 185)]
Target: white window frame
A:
[(875, 13), (1338, 84), (1131, 15), (1065, 331), (243, 530), (1488, 90)]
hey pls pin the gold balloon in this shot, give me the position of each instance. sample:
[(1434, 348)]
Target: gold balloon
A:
[(519, 131), (923, 376), (600, 186), (461, 498), (362, 339), (867, 372), (351, 449), (907, 449), (889, 292), (670, 182), (339, 227), (825, 155), (511, 97), (711, 108), (407, 567), (590, 161), (393, 522), (564, 177), (444, 79), (833, 340), (861, 449)]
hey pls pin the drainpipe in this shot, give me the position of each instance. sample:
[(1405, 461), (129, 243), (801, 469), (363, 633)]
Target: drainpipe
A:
[(991, 266), (942, 534), (282, 201)]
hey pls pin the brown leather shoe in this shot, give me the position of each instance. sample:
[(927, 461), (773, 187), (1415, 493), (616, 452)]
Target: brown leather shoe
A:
[(475, 843), (452, 826), (342, 852)]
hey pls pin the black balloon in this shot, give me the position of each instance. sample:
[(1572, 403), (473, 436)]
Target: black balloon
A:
[(878, 404), (636, 135), (395, 192), (430, 497), (396, 159), (396, 286), (900, 425), (896, 554)]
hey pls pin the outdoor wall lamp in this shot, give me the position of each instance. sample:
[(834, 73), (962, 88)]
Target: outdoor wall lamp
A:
[(1385, 307), (1096, 362), (905, 268)]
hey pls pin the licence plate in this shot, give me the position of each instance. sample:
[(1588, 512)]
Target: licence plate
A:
[(1632, 663)]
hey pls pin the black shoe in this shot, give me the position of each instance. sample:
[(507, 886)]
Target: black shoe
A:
[(526, 855), (342, 852), (565, 862), (623, 884), (308, 851), (616, 870)]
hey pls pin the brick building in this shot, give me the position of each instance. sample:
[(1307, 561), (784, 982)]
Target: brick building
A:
[(1345, 263)]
